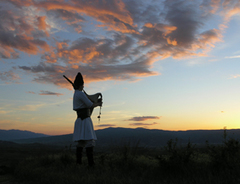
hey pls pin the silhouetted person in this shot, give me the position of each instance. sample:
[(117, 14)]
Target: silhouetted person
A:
[(84, 132)]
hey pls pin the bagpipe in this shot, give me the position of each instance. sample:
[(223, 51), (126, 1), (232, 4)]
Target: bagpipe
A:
[(95, 98)]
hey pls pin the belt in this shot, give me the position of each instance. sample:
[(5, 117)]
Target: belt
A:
[(83, 113)]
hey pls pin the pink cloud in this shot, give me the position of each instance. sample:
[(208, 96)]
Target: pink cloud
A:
[(143, 118)]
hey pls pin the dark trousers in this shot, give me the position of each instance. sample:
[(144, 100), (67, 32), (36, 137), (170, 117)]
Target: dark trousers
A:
[(89, 153), (79, 151)]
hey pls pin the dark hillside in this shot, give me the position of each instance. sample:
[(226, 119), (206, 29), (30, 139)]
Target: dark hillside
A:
[(9, 135), (145, 137)]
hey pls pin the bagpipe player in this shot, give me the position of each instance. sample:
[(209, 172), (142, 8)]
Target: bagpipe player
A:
[(84, 133)]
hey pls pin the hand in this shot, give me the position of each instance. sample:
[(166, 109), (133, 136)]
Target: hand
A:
[(100, 103)]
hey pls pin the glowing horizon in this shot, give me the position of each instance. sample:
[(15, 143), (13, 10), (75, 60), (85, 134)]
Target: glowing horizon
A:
[(170, 65)]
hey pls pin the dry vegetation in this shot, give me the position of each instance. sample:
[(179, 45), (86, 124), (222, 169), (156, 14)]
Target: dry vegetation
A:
[(130, 164)]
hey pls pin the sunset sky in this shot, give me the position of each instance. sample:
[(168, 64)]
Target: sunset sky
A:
[(160, 64)]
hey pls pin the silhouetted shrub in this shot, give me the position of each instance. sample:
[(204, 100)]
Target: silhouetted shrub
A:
[(176, 158), (226, 156)]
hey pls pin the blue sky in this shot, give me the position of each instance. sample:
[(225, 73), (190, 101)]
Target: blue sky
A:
[(160, 64)]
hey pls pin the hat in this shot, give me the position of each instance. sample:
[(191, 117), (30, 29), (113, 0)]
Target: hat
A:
[(78, 81)]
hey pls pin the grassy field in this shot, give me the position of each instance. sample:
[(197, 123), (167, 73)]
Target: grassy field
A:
[(128, 164)]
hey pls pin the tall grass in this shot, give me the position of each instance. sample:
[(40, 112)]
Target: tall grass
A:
[(130, 164)]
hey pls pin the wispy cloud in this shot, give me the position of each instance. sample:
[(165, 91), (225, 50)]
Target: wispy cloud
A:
[(235, 76), (9, 77), (143, 124), (30, 92), (14, 105), (30, 107), (4, 111), (232, 57), (105, 125), (49, 93), (42, 92), (143, 118)]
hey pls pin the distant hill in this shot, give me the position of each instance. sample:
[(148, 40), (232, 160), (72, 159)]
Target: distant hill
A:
[(58, 140), (145, 137), (9, 135), (159, 138)]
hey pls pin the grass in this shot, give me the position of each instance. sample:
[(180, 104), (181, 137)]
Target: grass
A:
[(130, 164)]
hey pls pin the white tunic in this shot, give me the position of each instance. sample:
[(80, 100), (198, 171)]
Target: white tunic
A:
[(83, 129)]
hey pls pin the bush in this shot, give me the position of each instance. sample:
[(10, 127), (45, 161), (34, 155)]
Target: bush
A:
[(176, 157), (226, 156)]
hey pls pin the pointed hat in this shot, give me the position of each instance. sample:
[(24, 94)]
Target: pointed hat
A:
[(78, 81)]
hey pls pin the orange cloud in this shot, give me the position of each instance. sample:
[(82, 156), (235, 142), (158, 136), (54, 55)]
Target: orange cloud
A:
[(215, 5), (149, 25), (41, 23), (75, 66), (235, 76), (199, 48), (138, 37), (50, 57), (210, 37), (72, 55), (116, 17), (19, 33), (230, 9), (61, 45), (233, 12), (171, 42), (8, 52), (168, 29), (22, 43), (76, 55)]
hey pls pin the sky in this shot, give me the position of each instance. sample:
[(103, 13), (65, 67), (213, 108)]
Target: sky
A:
[(159, 64)]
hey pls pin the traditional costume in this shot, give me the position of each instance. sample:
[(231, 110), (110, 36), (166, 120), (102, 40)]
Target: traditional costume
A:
[(84, 132)]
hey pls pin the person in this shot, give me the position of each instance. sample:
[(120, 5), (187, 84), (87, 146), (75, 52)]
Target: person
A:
[(84, 133)]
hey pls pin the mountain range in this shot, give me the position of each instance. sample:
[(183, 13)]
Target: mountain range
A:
[(7, 135), (117, 136)]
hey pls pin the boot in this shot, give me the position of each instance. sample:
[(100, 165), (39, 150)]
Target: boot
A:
[(89, 151), (79, 151)]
